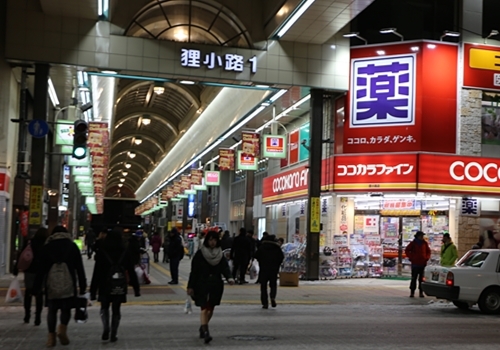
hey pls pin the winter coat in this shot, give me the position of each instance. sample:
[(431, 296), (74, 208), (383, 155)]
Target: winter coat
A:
[(270, 256), (60, 247), (156, 243), (206, 280), (449, 254), (418, 252), (134, 249), (226, 242), (175, 247), (100, 277), (241, 249)]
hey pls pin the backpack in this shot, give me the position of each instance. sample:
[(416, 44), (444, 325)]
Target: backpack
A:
[(59, 281), (117, 277), (25, 258)]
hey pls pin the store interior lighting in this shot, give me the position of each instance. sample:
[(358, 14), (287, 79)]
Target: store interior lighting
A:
[(120, 185), (128, 165), (391, 31), (53, 94), (122, 179), (449, 33), (355, 35), (493, 32), (159, 90), (290, 21), (137, 140), (131, 154), (124, 173)]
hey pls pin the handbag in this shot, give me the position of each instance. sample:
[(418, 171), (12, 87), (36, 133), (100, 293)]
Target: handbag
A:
[(81, 314), (14, 293), (187, 307)]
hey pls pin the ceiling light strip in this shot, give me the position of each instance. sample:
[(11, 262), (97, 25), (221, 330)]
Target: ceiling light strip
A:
[(285, 112), (53, 94), (290, 21)]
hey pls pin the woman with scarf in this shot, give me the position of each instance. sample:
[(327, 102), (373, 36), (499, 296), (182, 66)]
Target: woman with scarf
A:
[(205, 284)]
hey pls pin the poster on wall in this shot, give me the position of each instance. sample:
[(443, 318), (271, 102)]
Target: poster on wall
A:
[(226, 159), (250, 144), (247, 162)]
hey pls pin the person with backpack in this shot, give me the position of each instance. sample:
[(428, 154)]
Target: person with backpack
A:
[(60, 266), (109, 280), (28, 262)]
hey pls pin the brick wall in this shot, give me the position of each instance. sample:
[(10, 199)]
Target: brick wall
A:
[(470, 123)]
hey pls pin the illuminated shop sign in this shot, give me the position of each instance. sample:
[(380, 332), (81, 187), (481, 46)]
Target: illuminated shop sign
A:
[(212, 178), (247, 162), (274, 146), (230, 62), (481, 66), (383, 91)]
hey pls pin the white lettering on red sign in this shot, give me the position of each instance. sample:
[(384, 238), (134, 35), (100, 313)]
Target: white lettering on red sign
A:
[(474, 171), (290, 181), (373, 169)]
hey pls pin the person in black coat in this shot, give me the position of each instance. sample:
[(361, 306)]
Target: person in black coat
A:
[(112, 252), (36, 244), (226, 241), (241, 252), (270, 256), (89, 242), (60, 248), (205, 283), (175, 254)]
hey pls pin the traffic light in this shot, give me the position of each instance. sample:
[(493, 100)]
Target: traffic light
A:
[(80, 139)]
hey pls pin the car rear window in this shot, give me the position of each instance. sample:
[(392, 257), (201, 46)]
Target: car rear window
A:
[(473, 259)]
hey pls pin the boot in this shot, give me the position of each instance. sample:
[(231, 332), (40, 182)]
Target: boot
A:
[(202, 333), (51, 340), (421, 294), (115, 322), (105, 324), (62, 335), (38, 319), (206, 334)]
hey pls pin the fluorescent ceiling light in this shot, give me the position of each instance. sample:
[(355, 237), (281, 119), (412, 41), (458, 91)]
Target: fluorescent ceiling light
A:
[(128, 165), (146, 120), (295, 16), (109, 72), (187, 82), (262, 86), (53, 94), (138, 141), (102, 7), (380, 52), (278, 95), (282, 114), (159, 90)]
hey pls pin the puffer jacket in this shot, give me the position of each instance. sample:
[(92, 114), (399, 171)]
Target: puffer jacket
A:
[(449, 254), (418, 252)]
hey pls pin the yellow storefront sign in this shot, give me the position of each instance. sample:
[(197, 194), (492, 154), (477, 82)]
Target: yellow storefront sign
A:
[(36, 197), (315, 214), (484, 59)]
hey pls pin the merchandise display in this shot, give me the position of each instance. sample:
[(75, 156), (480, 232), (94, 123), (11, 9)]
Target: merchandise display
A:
[(295, 260), (342, 255)]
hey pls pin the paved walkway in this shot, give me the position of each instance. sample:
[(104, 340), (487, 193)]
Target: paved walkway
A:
[(340, 291)]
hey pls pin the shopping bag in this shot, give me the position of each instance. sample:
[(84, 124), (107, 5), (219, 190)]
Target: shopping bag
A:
[(253, 271), (81, 315), (187, 307), (14, 293)]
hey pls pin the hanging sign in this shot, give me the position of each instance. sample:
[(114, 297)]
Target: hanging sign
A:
[(212, 178), (196, 177), (64, 132), (247, 162), (250, 144), (226, 159), (274, 146), (185, 183)]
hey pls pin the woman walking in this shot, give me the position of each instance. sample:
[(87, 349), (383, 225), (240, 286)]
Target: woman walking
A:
[(156, 245), (36, 244), (205, 284), (109, 281)]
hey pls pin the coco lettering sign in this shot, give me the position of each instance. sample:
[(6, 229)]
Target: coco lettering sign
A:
[(287, 185), (230, 62)]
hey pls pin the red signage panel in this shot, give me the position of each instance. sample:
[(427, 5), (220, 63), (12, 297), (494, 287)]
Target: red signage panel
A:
[(481, 66), (375, 172), (293, 154), (459, 174)]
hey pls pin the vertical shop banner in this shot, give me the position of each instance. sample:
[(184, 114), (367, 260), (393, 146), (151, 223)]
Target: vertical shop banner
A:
[(343, 223), (24, 222), (226, 159), (293, 154), (35, 212), (247, 162), (304, 142), (177, 187), (250, 144), (395, 103), (98, 144), (196, 177), (274, 146), (170, 192), (481, 66), (185, 183), (315, 214)]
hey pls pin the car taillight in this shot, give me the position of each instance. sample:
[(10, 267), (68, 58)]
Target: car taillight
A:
[(423, 279), (450, 279)]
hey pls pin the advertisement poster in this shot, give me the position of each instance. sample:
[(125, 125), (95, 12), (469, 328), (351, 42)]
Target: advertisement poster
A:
[(389, 228), (177, 187), (247, 162), (64, 132), (274, 146), (197, 177), (226, 159), (185, 183), (304, 141), (35, 212), (98, 145), (23, 219), (250, 144)]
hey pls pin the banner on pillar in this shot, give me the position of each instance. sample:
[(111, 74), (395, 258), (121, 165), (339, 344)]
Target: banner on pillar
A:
[(226, 159), (35, 212)]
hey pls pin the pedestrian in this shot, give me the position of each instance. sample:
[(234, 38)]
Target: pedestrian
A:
[(61, 266), (134, 246), (449, 253), (259, 242), (205, 283), (98, 241), (226, 241), (418, 252), (109, 280), (36, 244), (166, 241), (89, 242), (281, 241), (241, 252), (155, 246), (175, 254), (270, 257)]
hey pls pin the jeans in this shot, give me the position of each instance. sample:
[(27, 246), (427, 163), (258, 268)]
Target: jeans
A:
[(55, 305), (417, 272), (264, 278), (174, 268)]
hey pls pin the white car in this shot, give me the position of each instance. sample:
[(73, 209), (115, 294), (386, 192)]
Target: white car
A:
[(475, 279)]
